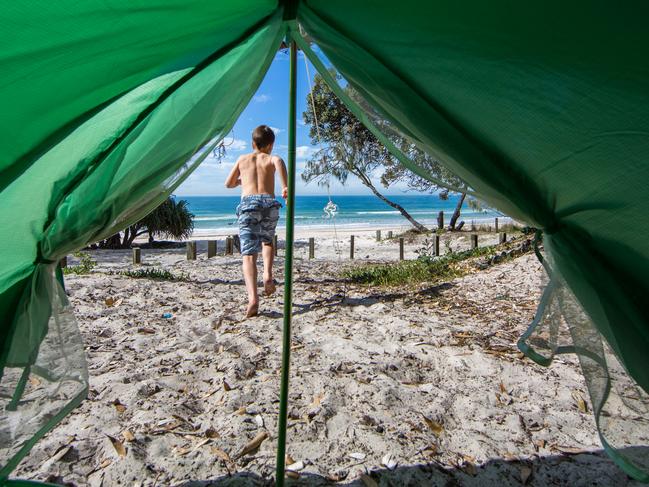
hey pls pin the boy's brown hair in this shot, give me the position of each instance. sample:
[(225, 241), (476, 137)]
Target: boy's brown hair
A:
[(263, 136)]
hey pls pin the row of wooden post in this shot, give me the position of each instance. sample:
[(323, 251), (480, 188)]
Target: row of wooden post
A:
[(230, 244), (191, 250), (502, 238)]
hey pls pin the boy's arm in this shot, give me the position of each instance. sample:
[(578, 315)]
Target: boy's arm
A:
[(280, 167), (234, 178)]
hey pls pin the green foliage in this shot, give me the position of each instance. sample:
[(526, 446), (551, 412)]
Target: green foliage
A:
[(425, 268), (348, 147), (171, 219), (85, 266), (155, 274)]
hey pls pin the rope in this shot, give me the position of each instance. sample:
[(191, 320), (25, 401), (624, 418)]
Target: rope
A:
[(331, 205)]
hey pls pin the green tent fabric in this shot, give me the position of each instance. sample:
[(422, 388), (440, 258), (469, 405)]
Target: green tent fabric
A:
[(541, 108)]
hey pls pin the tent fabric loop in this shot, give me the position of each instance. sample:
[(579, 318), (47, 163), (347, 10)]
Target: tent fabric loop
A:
[(40, 258)]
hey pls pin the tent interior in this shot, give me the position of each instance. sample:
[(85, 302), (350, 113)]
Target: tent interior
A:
[(541, 108)]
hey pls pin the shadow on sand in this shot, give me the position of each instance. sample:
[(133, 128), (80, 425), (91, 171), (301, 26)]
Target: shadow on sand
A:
[(584, 469)]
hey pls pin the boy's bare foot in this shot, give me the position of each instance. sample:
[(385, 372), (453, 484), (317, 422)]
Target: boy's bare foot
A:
[(253, 309), (269, 286)]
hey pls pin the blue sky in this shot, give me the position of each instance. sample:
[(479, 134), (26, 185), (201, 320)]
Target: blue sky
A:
[(270, 106)]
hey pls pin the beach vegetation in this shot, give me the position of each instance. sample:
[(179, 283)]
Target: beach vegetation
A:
[(154, 274), (85, 266), (429, 268), (172, 219)]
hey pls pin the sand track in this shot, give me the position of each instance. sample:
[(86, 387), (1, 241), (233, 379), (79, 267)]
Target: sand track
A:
[(426, 380)]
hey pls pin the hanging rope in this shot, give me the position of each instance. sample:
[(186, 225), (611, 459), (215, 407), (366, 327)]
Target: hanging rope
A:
[(330, 209)]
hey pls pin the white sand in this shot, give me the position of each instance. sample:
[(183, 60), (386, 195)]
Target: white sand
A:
[(426, 378)]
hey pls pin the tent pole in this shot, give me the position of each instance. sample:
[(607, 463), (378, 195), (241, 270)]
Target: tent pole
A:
[(288, 271)]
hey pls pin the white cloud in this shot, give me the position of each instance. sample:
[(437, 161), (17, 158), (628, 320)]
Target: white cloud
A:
[(277, 130), (263, 98), (233, 144), (305, 151)]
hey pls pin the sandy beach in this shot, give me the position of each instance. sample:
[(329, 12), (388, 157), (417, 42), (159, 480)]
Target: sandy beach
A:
[(411, 385)]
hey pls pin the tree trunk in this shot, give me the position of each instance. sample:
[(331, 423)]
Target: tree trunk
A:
[(130, 234), (125, 237), (367, 182), (456, 213), (112, 242)]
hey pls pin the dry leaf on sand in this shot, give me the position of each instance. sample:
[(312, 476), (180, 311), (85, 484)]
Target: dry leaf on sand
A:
[(434, 426), (211, 433), (221, 454), (119, 406), (253, 444), (581, 404), (118, 445)]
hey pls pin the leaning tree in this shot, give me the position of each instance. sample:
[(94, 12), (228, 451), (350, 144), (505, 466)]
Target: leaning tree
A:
[(347, 146)]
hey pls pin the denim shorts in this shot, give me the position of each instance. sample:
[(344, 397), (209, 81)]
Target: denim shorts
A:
[(257, 215)]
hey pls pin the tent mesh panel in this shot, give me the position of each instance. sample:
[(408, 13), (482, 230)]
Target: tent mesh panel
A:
[(34, 397), (620, 407)]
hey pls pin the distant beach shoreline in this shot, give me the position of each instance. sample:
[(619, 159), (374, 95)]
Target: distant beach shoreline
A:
[(331, 227), (215, 215)]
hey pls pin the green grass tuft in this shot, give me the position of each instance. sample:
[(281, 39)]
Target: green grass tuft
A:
[(155, 274), (85, 266)]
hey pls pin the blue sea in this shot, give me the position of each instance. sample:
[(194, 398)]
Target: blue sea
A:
[(216, 214)]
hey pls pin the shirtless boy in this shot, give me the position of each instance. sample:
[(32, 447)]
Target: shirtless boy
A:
[(258, 212)]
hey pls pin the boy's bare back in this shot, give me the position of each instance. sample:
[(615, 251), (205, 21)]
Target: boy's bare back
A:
[(257, 173)]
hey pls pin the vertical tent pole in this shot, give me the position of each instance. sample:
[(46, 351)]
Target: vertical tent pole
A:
[(288, 272)]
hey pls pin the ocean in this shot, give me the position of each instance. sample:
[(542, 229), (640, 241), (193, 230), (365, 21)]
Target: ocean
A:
[(216, 214)]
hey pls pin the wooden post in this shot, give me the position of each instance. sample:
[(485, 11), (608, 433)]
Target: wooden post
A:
[(137, 255), (63, 263), (311, 248), (378, 235), (401, 239), (496, 224), (440, 220), (211, 248), (390, 234), (473, 225), (275, 244), (437, 252), (236, 243), (351, 247), (228, 246), (474, 241), (191, 250), (503, 238)]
